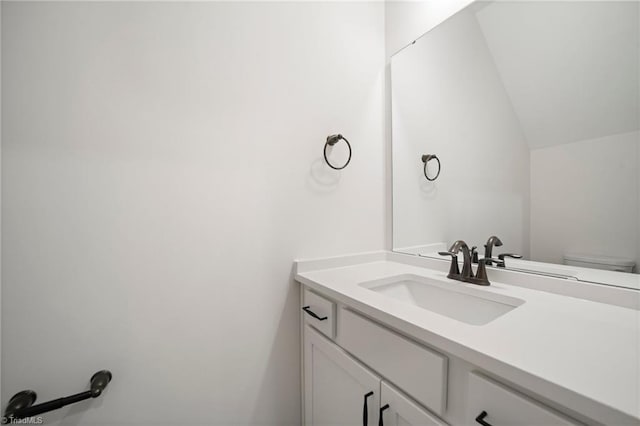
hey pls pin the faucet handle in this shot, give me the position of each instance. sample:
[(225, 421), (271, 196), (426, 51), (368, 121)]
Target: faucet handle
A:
[(501, 257), (481, 274), (474, 254), (511, 255), (453, 268)]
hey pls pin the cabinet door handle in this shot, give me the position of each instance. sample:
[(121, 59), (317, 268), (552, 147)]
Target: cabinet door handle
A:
[(380, 421), (308, 310), (480, 419), (365, 410)]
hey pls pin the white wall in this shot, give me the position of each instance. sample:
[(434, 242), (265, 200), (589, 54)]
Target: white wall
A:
[(405, 21), (585, 198), (570, 68), (161, 170), (0, 205), (448, 100)]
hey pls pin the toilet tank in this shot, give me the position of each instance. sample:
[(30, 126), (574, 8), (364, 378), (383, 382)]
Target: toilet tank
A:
[(609, 263)]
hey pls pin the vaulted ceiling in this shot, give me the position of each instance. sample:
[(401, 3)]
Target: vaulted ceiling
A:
[(571, 69)]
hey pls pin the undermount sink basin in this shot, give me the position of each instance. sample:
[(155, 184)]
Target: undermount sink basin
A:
[(449, 298)]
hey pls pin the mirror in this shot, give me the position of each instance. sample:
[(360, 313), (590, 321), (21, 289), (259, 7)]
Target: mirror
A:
[(532, 111)]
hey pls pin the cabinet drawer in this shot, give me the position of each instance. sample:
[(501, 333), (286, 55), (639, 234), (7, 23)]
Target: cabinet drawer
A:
[(420, 372), (320, 313), (506, 407)]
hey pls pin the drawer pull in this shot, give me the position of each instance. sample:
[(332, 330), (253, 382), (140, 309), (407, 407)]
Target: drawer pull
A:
[(365, 410), (480, 419), (381, 422), (308, 310)]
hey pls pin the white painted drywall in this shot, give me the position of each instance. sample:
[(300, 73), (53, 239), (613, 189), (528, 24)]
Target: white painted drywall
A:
[(448, 100), (1, 202), (585, 198), (638, 175), (405, 21), (162, 167), (571, 69)]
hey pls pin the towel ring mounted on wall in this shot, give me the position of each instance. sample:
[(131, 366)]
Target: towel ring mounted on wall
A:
[(425, 159), (332, 140)]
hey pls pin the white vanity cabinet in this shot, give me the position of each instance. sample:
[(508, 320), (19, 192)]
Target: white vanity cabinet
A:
[(320, 312), (336, 385), (338, 390), (402, 411), (389, 354), (351, 360), (498, 405)]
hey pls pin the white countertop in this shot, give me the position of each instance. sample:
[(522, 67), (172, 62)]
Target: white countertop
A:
[(570, 350)]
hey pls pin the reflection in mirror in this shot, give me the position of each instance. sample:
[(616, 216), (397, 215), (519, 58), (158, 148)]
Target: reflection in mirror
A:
[(532, 109)]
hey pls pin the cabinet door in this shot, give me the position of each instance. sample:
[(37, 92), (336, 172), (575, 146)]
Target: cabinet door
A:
[(336, 385), (403, 412)]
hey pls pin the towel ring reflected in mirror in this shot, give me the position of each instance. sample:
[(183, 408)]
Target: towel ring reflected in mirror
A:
[(425, 159), (332, 140)]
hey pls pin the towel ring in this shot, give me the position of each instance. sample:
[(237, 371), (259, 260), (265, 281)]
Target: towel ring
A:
[(425, 159), (332, 140)]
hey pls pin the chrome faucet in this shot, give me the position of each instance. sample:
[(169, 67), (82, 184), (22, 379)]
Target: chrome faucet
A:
[(467, 270)]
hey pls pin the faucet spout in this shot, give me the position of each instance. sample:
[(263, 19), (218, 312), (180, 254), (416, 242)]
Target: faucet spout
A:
[(467, 271), (492, 242)]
